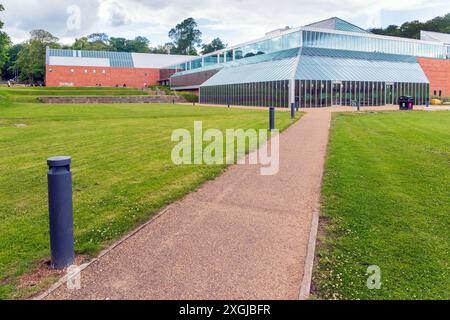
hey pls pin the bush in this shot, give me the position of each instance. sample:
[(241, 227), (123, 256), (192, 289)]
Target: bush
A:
[(164, 89), (443, 99), (189, 96)]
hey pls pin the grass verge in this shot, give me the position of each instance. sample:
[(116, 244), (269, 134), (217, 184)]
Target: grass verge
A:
[(122, 171), (386, 203)]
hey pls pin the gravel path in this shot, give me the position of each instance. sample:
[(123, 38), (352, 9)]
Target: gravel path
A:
[(241, 236)]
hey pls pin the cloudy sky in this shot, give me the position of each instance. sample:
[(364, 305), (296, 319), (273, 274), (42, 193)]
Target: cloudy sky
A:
[(234, 21)]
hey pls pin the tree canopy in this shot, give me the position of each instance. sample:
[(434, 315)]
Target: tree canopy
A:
[(215, 45), (186, 37), (31, 58), (5, 43), (412, 29)]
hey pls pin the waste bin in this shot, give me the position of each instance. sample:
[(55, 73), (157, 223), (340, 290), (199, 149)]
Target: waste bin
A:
[(406, 103)]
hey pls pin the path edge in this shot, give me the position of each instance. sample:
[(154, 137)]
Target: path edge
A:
[(305, 288)]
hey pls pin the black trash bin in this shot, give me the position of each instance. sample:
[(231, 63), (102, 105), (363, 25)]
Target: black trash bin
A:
[(406, 103), (411, 101)]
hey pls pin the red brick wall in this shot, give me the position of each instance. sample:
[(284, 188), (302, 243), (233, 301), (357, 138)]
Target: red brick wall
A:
[(438, 72), (57, 76)]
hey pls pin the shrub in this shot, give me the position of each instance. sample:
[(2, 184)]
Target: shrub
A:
[(189, 96)]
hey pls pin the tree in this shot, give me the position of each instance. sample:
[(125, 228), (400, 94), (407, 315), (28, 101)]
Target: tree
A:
[(215, 45), (9, 70), (5, 43), (163, 49), (81, 44), (412, 29), (98, 41), (186, 37), (118, 44), (31, 58), (138, 44)]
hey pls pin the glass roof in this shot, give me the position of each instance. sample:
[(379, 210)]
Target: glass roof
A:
[(341, 65), (274, 70), (322, 64), (337, 24)]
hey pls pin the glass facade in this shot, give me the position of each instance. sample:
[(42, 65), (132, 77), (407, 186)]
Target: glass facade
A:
[(353, 41), (259, 94), (328, 40), (314, 93), (319, 93), (332, 79)]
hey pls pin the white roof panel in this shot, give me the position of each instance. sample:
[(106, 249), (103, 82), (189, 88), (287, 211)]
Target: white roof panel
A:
[(78, 62), (145, 60)]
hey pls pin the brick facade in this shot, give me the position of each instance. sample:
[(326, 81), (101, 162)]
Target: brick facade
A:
[(57, 76), (438, 72)]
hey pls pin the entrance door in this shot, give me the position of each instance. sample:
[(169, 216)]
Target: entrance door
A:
[(389, 93), (337, 94)]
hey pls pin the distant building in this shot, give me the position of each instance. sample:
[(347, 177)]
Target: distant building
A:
[(80, 68), (331, 62)]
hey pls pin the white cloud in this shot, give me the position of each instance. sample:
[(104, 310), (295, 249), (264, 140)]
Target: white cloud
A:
[(233, 20)]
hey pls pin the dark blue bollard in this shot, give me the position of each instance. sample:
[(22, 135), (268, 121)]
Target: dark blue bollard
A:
[(61, 212), (292, 110), (272, 118), (297, 106)]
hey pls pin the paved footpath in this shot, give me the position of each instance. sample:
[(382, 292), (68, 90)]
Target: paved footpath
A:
[(241, 236)]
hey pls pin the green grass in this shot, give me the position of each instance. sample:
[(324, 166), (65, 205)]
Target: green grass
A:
[(386, 202), (122, 171), (31, 94)]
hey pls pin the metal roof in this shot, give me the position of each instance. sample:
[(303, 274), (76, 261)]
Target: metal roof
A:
[(322, 64), (274, 70), (435, 36), (109, 58), (279, 55), (337, 24), (340, 65)]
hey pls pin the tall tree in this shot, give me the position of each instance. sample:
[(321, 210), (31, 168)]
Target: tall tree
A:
[(215, 45), (186, 37), (31, 58), (5, 43), (9, 70)]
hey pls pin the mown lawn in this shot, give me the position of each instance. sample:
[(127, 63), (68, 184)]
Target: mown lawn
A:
[(122, 171), (386, 202), (31, 94)]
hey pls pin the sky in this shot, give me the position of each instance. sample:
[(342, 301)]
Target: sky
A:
[(234, 21)]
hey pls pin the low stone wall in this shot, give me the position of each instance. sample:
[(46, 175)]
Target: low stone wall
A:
[(113, 100)]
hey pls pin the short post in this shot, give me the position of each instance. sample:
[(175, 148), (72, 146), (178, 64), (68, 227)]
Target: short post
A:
[(296, 106), (272, 118), (358, 105), (292, 110), (193, 103), (173, 101), (61, 212)]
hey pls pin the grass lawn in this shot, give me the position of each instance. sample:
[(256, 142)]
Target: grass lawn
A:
[(31, 94), (386, 202), (122, 171)]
